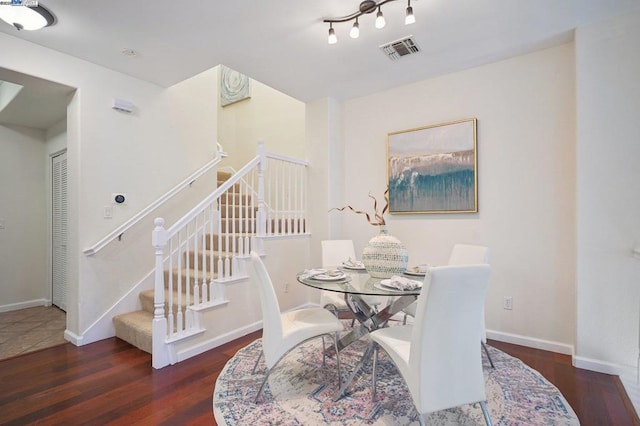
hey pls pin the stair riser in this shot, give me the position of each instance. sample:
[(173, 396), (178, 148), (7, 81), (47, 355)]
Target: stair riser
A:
[(191, 255), (187, 282), (226, 244), (234, 188), (238, 211), (234, 199), (146, 299)]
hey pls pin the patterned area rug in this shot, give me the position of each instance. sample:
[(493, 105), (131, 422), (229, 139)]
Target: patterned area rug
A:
[(300, 393)]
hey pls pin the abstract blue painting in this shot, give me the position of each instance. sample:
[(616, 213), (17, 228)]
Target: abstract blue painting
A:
[(433, 169)]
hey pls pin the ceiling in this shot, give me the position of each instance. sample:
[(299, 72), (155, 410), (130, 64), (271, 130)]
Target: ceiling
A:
[(284, 43)]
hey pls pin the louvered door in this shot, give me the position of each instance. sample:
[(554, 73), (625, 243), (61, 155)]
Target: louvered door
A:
[(59, 230)]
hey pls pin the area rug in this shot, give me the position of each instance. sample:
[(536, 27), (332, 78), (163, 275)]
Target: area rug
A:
[(301, 393)]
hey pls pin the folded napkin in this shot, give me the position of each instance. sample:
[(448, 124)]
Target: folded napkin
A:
[(401, 283), (326, 273), (353, 263)]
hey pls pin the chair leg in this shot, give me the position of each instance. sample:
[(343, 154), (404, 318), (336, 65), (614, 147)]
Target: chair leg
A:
[(324, 353), (421, 420), (486, 351), (264, 381), (485, 413), (256, 364), (373, 373), (335, 344)]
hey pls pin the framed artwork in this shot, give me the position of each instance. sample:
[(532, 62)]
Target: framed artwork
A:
[(433, 169), (234, 86)]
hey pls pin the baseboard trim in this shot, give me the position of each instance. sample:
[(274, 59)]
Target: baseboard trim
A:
[(531, 342), (25, 305), (73, 338), (603, 366), (217, 341)]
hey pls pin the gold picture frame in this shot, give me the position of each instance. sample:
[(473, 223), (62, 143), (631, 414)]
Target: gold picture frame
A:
[(434, 169)]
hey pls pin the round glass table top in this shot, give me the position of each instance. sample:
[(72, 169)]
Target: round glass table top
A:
[(353, 282)]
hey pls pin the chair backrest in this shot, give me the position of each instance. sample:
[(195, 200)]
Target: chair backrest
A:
[(445, 358), (465, 254), (272, 329), (334, 252)]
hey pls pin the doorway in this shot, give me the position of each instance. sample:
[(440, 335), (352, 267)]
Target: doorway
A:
[(59, 227)]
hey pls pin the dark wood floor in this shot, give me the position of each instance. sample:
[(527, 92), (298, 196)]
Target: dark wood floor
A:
[(111, 382)]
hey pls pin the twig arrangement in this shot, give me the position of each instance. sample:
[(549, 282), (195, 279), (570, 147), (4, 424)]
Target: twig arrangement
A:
[(379, 217)]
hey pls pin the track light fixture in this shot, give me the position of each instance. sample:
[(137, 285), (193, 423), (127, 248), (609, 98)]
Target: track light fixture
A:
[(366, 7)]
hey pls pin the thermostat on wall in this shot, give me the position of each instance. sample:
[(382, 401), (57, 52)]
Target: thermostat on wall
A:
[(122, 105)]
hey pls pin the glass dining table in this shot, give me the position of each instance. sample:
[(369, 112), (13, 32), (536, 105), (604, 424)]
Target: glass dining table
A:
[(355, 284)]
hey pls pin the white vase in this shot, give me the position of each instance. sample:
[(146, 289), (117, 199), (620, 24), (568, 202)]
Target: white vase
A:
[(385, 255)]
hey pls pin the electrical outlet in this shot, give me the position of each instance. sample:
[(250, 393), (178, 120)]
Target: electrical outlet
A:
[(507, 303)]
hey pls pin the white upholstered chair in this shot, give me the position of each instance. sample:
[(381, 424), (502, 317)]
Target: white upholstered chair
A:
[(334, 253), (465, 254), (281, 332), (438, 355)]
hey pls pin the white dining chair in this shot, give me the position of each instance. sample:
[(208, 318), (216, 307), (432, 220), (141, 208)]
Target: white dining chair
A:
[(334, 253), (282, 332), (438, 355), (465, 254)]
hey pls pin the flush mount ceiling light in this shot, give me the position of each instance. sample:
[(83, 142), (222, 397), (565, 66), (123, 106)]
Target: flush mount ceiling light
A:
[(28, 18), (366, 7)]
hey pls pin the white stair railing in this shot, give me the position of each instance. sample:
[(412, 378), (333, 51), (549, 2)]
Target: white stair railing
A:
[(201, 252)]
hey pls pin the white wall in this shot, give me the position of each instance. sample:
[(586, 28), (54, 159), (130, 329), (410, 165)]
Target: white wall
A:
[(608, 198), (142, 154), (270, 115), (23, 241), (526, 161)]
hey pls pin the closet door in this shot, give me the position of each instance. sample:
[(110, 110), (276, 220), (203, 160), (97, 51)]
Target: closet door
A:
[(59, 230)]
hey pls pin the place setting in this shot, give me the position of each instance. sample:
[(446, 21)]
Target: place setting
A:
[(324, 274), (398, 283), (354, 265), (417, 271)]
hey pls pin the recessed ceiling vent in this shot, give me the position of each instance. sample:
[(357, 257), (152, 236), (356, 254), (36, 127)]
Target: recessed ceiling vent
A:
[(399, 48)]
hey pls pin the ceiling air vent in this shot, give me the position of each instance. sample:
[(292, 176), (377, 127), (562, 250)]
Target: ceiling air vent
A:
[(399, 48)]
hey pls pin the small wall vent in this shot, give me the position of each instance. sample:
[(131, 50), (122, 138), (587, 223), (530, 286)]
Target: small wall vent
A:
[(399, 48)]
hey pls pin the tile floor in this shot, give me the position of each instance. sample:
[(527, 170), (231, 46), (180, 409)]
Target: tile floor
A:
[(30, 329)]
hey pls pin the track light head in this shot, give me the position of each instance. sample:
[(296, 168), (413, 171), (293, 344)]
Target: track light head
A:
[(332, 35), (409, 17), (380, 22), (355, 30)]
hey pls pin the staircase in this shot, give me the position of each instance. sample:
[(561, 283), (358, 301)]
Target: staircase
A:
[(234, 207), (204, 252)]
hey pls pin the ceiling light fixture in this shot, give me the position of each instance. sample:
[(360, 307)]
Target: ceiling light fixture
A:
[(332, 35), (409, 17), (366, 7), (355, 30), (28, 18)]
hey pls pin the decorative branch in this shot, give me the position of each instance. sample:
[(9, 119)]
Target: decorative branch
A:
[(378, 216)]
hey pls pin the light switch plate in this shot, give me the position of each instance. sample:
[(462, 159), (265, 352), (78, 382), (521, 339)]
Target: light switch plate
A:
[(1, 223)]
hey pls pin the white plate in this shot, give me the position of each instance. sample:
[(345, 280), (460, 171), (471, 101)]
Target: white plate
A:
[(353, 268), (383, 287), (325, 277), (414, 273), (385, 284)]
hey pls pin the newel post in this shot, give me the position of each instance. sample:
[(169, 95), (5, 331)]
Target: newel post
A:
[(159, 333), (262, 211)]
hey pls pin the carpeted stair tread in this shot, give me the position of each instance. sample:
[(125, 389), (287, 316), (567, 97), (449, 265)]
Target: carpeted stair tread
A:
[(135, 328)]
